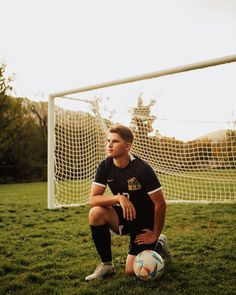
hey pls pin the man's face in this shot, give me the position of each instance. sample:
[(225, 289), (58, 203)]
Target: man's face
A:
[(116, 146)]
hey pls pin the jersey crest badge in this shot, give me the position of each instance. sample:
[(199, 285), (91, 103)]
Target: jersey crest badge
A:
[(133, 184)]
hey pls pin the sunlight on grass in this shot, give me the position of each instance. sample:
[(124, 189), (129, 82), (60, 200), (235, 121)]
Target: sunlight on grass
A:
[(50, 252)]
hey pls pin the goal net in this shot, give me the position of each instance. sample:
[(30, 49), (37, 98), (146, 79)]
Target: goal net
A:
[(190, 143)]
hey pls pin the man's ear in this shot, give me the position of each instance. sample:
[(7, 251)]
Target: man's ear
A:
[(128, 146)]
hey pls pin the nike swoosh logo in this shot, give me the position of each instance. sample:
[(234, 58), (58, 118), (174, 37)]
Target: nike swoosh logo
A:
[(110, 180)]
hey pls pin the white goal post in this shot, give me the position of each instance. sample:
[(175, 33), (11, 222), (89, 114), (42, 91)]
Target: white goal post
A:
[(201, 170)]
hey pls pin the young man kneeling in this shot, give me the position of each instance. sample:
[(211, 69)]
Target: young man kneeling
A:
[(137, 206)]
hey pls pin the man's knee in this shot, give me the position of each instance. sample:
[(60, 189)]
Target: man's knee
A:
[(129, 269), (96, 215)]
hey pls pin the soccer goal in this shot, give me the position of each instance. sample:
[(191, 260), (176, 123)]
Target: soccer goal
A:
[(181, 129)]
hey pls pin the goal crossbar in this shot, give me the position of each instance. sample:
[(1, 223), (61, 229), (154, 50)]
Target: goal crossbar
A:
[(165, 72)]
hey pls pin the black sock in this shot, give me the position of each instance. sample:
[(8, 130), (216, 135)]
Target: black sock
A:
[(102, 240)]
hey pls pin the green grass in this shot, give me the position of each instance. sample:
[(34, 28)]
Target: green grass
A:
[(50, 252)]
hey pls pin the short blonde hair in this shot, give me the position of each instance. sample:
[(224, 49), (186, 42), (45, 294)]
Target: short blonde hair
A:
[(125, 132)]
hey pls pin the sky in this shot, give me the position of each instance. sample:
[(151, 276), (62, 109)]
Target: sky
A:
[(56, 45)]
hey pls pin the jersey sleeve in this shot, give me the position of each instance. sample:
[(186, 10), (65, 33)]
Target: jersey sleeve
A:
[(101, 177), (150, 180)]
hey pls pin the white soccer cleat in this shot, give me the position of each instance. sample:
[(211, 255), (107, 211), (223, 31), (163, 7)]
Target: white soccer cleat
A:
[(101, 272), (165, 252)]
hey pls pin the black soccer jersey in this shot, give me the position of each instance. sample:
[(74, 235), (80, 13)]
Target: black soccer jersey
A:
[(136, 182)]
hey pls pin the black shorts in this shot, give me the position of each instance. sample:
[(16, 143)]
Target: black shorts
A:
[(133, 228)]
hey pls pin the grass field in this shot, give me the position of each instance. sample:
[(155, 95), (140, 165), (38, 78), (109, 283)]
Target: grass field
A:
[(50, 252)]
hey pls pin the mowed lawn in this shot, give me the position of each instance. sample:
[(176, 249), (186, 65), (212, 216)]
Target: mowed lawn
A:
[(50, 252)]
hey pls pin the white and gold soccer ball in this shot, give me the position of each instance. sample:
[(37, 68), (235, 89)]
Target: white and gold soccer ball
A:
[(148, 265)]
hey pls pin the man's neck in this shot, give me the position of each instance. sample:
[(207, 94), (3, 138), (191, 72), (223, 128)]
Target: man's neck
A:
[(122, 162)]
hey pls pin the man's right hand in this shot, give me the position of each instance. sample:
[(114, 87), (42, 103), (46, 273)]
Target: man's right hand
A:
[(129, 211)]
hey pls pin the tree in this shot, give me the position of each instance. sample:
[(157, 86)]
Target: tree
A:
[(23, 152), (4, 81), (40, 112), (142, 119), (4, 101), (5, 119)]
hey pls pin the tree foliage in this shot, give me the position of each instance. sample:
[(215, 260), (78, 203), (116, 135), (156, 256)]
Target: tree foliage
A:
[(22, 145), (142, 120)]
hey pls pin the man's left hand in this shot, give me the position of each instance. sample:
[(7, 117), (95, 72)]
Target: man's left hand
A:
[(146, 237)]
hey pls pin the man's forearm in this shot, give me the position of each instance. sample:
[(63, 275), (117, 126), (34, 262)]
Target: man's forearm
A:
[(103, 200)]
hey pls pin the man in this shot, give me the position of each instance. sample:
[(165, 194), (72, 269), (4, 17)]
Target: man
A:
[(137, 206)]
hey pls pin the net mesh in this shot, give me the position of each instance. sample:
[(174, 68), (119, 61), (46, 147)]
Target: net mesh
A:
[(180, 129), (203, 169), (79, 146), (198, 170)]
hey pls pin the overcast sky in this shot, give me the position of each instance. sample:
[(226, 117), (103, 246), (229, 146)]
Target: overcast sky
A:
[(54, 45)]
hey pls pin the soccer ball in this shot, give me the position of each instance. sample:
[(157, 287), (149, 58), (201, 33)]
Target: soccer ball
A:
[(148, 265)]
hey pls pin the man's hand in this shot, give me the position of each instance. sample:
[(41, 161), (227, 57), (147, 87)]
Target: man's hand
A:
[(146, 237), (129, 211)]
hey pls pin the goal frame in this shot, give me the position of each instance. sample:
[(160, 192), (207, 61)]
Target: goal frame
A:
[(64, 94)]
